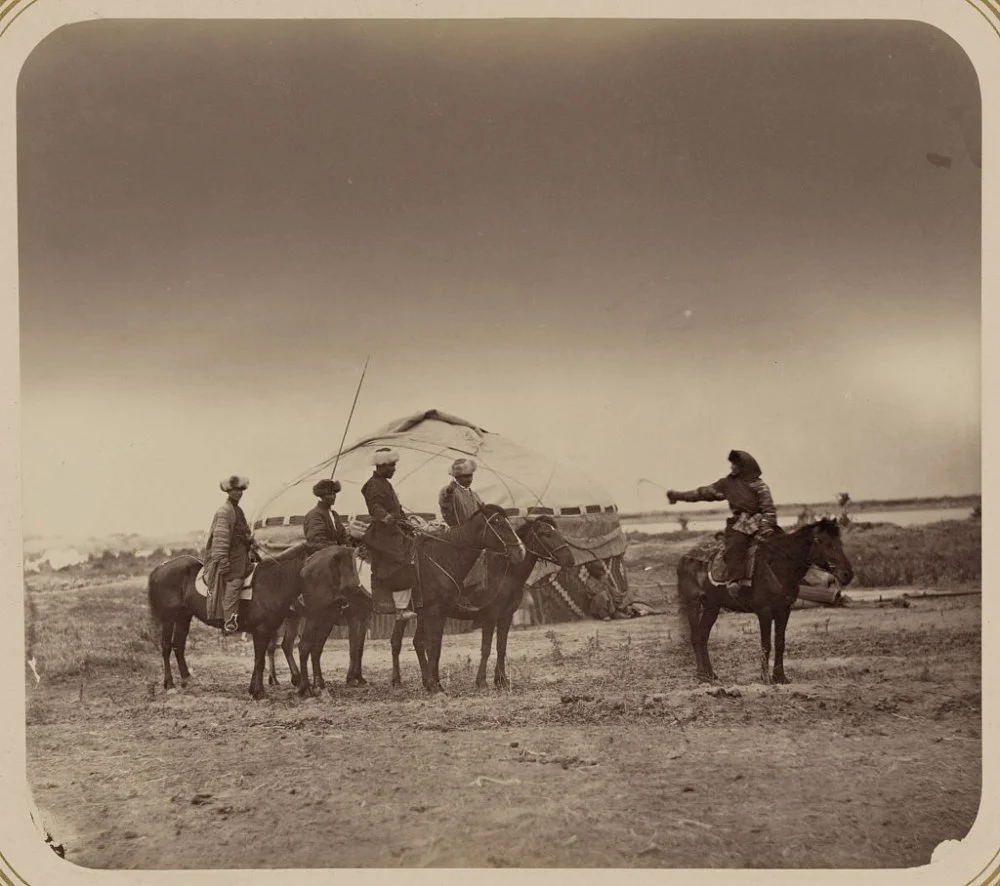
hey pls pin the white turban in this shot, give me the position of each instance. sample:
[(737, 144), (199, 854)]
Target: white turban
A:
[(385, 456), (463, 466), (234, 482)]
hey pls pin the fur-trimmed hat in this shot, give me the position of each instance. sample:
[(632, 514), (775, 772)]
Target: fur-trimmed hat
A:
[(326, 487), (385, 456), (462, 466), (234, 482)]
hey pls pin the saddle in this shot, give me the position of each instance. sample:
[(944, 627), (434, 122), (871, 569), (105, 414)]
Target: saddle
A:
[(711, 554), (246, 589)]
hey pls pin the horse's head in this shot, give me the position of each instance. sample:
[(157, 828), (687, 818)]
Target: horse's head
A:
[(543, 539), (499, 536), (827, 552)]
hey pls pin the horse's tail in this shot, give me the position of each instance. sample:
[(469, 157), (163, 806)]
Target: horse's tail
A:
[(688, 595), (159, 591), (154, 596)]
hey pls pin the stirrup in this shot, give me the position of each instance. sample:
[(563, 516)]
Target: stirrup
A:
[(231, 626)]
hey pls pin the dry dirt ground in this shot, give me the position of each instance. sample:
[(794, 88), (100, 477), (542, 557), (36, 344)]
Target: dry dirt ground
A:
[(606, 752)]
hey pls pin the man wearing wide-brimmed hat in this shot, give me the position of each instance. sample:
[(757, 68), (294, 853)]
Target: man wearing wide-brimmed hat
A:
[(227, 553), (388, 536), (323, 526), (458, 501)]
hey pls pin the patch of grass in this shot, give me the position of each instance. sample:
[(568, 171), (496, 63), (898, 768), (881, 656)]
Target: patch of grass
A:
[(942, 554), (99, 629)]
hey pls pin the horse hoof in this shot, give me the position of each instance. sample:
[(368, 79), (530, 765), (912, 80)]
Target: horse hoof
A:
[(272, 681), (170, 690), (780, 678), (295, 680), (362, 681)]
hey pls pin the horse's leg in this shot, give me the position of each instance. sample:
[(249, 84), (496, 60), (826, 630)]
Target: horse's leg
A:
[(288, 646), (272, 673), (489, 623), (181, 628), (765, 618), (396, 643), (322, 634), (780, 623), (352, 645), (709, 613), (692, 609), (500, 680), (305, 647), (362, 635), (420, 648), (357, 627), (166, 640), (261, 639), (434, 636)]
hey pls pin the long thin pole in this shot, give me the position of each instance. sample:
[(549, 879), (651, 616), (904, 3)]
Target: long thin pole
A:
[(349, 417)]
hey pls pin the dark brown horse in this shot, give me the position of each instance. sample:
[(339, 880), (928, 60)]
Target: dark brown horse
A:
[(174, 601), (288, 632), (504, 593), (328, 600), (780, 565)]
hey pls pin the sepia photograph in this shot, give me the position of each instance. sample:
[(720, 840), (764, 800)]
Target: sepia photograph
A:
[(500, 443)]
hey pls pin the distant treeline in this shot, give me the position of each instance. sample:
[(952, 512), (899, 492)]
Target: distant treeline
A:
[(874, 504)]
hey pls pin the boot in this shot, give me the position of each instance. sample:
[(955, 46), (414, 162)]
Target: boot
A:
[(405, 615)]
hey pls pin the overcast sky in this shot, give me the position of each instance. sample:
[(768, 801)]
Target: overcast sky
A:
[(631, 245)]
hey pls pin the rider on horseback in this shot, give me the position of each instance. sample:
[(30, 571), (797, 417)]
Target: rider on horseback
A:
[(458, 500), (323, 526), (227, 553), (389, 537), (753, 512)]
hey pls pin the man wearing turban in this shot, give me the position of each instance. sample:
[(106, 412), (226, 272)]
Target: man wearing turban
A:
[(387, 538), (227, 554), (458, 501), (323, 526)]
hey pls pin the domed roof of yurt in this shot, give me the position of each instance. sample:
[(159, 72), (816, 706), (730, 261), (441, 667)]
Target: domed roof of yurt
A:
[(524, 482)]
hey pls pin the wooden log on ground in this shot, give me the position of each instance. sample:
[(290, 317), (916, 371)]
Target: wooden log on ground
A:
[(827, 596)]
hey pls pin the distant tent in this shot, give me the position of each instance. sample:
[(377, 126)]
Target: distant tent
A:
[(520, 480)]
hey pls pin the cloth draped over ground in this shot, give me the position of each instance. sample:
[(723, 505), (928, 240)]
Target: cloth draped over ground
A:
[(524, 482)]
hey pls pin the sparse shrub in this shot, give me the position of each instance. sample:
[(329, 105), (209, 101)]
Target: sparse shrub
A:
[(553, 638)]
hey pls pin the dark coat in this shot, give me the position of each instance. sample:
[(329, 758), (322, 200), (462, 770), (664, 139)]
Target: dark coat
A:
[(747, 494), (323, 528), (389, 546), (381, 499)]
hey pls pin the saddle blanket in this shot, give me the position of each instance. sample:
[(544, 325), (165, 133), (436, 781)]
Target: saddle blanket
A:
[(246, 591), (711, 555)]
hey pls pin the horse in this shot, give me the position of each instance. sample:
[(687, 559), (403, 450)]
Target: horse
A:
[(174, 601), (328, 600), (779, 567), (504, 592)]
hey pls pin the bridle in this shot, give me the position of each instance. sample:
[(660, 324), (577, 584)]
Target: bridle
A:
[(549, 555)]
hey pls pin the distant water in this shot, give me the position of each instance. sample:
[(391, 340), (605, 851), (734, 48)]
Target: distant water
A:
[(900, 518)]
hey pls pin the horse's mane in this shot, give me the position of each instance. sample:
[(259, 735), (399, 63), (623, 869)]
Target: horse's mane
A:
[(490, 510), (826, 524), (544, 518)]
